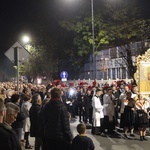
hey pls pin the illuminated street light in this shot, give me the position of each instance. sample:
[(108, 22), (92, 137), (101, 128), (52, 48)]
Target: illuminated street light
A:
[(25, 39)]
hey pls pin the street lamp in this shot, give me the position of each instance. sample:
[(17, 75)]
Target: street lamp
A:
[(93, 38), (25, 40)]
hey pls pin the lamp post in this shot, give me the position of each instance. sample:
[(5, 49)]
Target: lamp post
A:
[(17, 54), (93, 38), (25, 39), (93, 44), (16, 51)]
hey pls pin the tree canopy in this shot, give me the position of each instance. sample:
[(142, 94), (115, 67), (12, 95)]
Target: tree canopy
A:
[(115, 25)]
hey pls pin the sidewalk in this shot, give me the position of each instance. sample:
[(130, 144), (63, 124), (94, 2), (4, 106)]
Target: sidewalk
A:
[(73, 125)]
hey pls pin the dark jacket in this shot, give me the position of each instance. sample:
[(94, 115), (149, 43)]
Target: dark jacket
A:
[(19, 120), (88, 101), (33, 113), (8, 139), (55, 121), (79, 98), (82, 143), (40, 124), (6, 100)]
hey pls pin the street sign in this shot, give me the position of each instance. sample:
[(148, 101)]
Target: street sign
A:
[(23, 53), (64, 75)]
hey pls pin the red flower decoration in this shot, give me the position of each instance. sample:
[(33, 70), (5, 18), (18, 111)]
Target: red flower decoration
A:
[(71, 84), (81, 84), (90, 87), (56, 82), (106, 86), (94, 83)]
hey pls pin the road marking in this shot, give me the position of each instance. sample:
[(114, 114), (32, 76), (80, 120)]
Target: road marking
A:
[(137, 147), (122, 136), (120, 147), (111, 139)]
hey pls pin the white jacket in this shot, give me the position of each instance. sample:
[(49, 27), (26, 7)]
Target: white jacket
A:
[(97, 111), (25, 109)]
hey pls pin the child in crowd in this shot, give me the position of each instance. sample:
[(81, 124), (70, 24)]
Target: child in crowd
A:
[(81, 141)]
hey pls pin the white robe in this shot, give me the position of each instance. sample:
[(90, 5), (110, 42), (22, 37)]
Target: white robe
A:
[(97, 111)]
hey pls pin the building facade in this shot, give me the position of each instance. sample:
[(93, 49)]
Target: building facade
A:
[(111, 64)]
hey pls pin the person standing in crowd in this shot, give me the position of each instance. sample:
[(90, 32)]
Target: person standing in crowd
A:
[(135, 90), (18, 124), (56, 126), (121, 89), (26, 124), (47, 96), (129, 115), (39, 91), (148, 112), (88, 107), (33, 113), (64, 97), (116, 94), (40, 125), (142, 116), (79, 99), (3, 94), (8, 137), (98, 114), (122, 98), (109, 113), (9, 93), (72, 105), (2, 110), (81, 141)]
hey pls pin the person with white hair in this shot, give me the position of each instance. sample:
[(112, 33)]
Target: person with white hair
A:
[(8, 137), (9, 93)]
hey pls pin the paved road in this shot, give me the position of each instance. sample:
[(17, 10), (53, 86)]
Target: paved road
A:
[(114, 141)]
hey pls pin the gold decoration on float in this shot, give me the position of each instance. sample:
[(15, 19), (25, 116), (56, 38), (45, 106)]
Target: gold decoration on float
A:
[(142, 75)]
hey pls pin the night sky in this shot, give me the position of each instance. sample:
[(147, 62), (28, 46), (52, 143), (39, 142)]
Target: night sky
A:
[(23, 16)]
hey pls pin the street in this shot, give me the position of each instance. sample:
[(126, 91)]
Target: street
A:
[(114, 141)]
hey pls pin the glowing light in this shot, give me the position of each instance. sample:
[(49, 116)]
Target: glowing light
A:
[(71, 91), (25, 39), (39, 80)]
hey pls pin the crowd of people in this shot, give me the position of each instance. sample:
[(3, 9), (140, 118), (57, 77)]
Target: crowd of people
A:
[(107, 107), (44, 112)]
